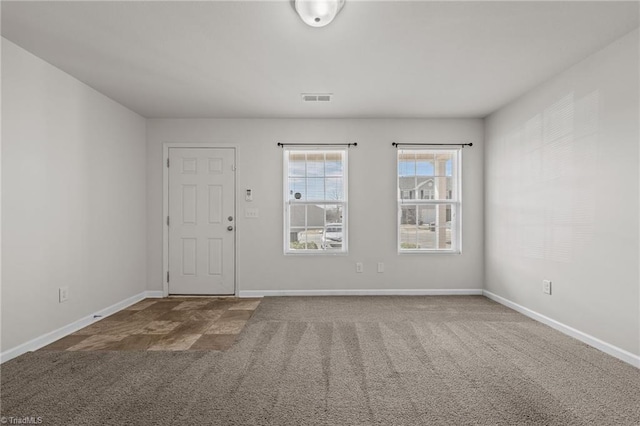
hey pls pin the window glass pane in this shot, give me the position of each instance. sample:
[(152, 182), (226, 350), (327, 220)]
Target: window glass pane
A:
[(315, 164), (406, 163), (333, 214), (297, 239), (334, 188), (315, 189), (315, 216), (297, 189), (294, 234), (408, 228), (298, 216), (297, 164), (334, 164), (444, 230), (443, 163), (407, 186), (443, 226), (425, 164), (425, 188), (449, 171), (333, 230), (427, 223), (425, 227), (305, 239), (441, 187), (313, 237), (408, 215), (426, 217)]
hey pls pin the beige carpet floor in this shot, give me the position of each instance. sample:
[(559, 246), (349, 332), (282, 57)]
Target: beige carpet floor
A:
[(341, 361)]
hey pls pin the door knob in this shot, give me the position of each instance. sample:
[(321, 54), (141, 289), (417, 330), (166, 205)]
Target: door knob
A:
[(229, 228)]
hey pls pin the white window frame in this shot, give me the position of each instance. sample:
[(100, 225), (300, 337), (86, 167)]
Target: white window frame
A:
[(344, 249), (456, 203)]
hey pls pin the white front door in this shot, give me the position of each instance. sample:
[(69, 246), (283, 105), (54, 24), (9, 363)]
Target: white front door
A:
[(202, 221)]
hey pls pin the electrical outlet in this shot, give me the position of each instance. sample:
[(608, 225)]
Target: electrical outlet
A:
[(380, 267), (359, 267), (63, 294), (546, 287)]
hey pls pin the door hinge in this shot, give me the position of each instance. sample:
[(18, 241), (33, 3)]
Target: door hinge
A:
[(167, 220), (167, 162), (167, 276), (233, 167)]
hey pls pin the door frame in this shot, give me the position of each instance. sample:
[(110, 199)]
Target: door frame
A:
[(165, 208)]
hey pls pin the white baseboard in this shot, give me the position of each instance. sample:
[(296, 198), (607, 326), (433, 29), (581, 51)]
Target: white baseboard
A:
[(605, 347), (45, 339), (371, 292)]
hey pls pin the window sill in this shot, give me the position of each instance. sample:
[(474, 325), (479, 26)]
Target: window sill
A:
[(429, 252), (316, 253)]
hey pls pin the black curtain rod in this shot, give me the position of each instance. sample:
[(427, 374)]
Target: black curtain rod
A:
[(396, 144), (316, 144)]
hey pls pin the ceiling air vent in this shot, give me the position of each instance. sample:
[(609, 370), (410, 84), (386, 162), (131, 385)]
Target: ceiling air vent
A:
[(316, 97)]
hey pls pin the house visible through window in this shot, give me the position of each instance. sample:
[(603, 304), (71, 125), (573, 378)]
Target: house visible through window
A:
[(429, 204), (315, 200)]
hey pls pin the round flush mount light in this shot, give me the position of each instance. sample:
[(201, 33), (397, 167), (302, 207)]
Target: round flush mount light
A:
[(318, 13)]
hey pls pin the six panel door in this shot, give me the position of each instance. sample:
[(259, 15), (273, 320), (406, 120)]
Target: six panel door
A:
[(202, 221)]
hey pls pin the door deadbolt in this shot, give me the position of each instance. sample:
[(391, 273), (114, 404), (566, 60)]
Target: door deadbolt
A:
[(230, 218), (229, 228)]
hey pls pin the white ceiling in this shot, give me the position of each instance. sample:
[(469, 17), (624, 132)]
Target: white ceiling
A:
[(254, 59)]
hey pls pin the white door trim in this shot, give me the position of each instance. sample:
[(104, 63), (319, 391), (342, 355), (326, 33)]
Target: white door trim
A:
[(165, 207)]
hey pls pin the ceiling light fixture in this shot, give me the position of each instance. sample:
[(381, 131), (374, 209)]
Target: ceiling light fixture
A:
[(318, 13)]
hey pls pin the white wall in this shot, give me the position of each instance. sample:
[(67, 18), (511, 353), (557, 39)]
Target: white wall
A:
[(73, 198), (561, 168), (261, 264)]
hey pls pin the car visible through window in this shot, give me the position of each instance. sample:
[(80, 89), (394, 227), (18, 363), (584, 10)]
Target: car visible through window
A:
[(332, 236)]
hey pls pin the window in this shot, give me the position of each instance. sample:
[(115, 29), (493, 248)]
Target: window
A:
[(429, 203), (315, 200)]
